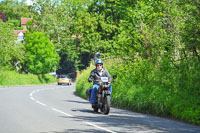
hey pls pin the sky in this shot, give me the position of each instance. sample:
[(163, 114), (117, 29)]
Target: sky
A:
[(29, 2)]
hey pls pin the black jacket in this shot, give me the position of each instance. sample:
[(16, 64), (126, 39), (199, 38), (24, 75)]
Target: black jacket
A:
[(95, 75)]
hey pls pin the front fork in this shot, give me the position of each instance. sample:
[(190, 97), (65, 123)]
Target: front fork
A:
[(101, 95), (101, 99)]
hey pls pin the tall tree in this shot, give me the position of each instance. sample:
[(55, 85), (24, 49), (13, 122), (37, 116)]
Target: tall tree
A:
[(56, 19), (41, 56)]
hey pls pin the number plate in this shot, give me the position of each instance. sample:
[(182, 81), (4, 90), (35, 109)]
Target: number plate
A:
[(104, 79)]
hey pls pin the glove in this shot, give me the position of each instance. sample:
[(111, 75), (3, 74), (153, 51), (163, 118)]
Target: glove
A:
[(90, 80)]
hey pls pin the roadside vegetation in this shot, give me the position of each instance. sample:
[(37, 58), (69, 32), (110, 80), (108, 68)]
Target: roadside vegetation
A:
[(152, 45), (156, 44), (142, 87), (12, 78)]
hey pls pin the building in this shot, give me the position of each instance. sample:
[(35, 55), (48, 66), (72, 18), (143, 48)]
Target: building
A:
[(19, 34), (75, 36)]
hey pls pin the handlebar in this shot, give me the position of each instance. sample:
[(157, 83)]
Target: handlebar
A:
[(100, 81)]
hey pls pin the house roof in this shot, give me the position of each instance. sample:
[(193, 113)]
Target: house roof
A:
[(16, 32), (24, 20)]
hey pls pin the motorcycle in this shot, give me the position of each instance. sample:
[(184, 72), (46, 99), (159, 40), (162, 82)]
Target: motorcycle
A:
[(103, 95)]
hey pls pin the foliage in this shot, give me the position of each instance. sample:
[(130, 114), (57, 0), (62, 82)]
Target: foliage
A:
[(15, 24), (12, 54), (156, 43), (10, 78), (14, 9), (163, 91), (10, 57), (82, 82), (41, 56), (55, 19)]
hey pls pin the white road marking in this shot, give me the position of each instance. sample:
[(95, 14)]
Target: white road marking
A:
[(32, 98), (99, 127), (61, 112), (85, 122), (41, 103)]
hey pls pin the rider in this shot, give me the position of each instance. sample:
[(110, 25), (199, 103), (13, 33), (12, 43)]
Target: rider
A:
[(94, 75)]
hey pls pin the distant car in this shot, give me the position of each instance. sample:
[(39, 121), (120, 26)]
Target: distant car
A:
[(64, 79)]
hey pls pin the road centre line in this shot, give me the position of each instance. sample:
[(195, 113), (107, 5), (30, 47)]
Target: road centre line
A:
[(41, 103), (32, 98), (100, 127), (85, 122), (59, 111)]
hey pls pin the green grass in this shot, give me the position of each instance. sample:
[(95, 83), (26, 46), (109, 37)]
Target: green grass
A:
[(11, 78)]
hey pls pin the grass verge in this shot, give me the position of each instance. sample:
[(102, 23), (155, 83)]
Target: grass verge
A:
[(10, 78)]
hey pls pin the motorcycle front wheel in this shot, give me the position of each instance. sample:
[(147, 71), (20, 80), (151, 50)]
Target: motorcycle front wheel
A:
[(106, 107)]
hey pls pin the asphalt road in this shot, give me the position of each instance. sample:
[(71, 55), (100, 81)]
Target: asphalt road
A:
[(56, 109)]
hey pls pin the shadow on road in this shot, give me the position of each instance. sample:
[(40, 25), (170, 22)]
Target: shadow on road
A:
[(84, 111), (73, 101), (77, 131), (134, 122)]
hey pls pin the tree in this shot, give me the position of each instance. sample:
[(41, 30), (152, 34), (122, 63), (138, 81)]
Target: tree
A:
[(56, 19), (41, 56), (12, 53), (15, 10)]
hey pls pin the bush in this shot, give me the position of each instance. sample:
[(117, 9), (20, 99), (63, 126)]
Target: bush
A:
[(161, 90), (82, 83)]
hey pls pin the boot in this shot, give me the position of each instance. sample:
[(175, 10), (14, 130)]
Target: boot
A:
[(93, 105)]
